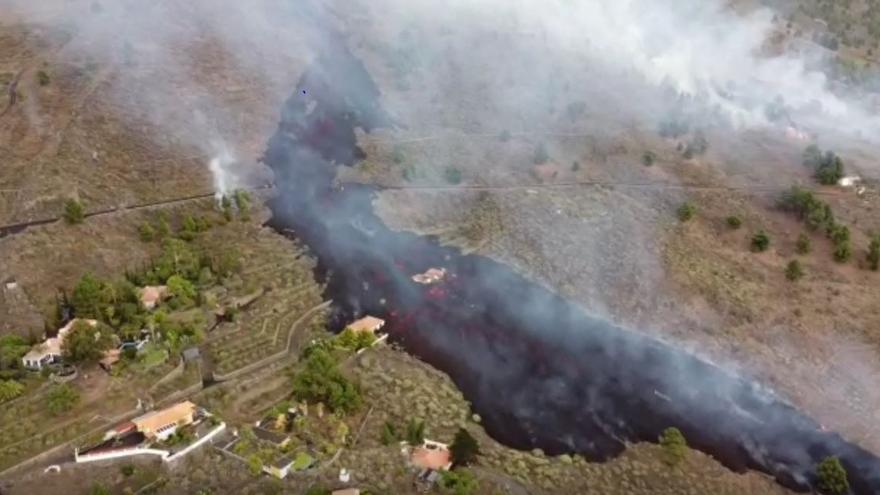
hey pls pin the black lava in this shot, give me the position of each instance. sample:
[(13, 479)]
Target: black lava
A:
[(540, 371)]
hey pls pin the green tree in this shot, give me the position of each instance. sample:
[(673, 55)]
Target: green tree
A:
[(458, 482), (842, 252), (389, 434), (74, 212), (674, 446), (415, 432), (453, 175), (830, 170), (794, 271), (255, 464), (541, 155), (760, 241), (226, 206), (181, 291), (43, 78), (686, 211), (243, 203), (648, 158), (127, 470), (12, 348), (61, 398), (734, 222), (147, 232), (832, 476), (321, 381), (803, 244), (464, 448), (88, 297), (10, 389), (86, 343), (874, 253)]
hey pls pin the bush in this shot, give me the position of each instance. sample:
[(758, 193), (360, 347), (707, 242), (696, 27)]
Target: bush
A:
[(43, 78), (453, 175), (760, 241), (794, 271), (832, 476), (86, 343), (147, 232), (99, 489), (321, 381), (389, 434), (61, 399), (734, 222), (127, 470), (464, 448), (874, 253), (686, 211), (674, 446), (415, 432), (843, 252), (74, 212), (830, 170), (803, 244), (10, 389), (318, 490), (648, 158), (458, 482)]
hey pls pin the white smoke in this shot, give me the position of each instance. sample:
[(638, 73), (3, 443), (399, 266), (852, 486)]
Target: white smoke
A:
[(222, 171)]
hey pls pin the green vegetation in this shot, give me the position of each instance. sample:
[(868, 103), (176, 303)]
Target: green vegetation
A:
[(61, 398), (648, 158), (302, 461), (243, 203), (734, 222), (99, 489), (827, 168), (541, 155), (43, 78), (803, 244), (117, 304), (12, 348), (355, 341), (686, 211), (458, 482), (453, 175), (794, 271), (389, 434), (817, 214), (321, 381), (226, 207), (760, 241), (255, 464), (874, 253), (415, 432), (397, 155), (674, 446), (464, 448), (318, 490), (832, 476), (10, 389), (74, 212), (182, 292), (86, 343), (127, 470), (147, 232)]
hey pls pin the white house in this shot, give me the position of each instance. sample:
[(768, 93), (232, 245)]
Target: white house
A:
[(49, 351)]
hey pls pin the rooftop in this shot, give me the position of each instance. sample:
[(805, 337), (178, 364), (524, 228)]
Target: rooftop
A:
[(367, 324)]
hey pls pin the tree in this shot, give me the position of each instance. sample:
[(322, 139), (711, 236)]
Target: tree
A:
[(12, 348), (648, 158), (74, 212), (832, 476), (686, 211), (794, 271), (830, 170), (321, 381), (842, 252), (43, 78), (734, 222), (453, 175), (674, 445), (61, 399), (243, 203), (147, 232), (464, 448), (415, 432), (803, 244), (181, 291), (874, 253), (255, 464), (10, 389), (355, 341), (87, 299), (389, 434), (86, 343), (541, 155), (760, 241), (458, 482)]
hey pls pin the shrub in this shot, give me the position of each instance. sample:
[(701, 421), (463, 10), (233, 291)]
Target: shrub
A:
[(648, 158), (458, 482), (674, 445), (734, 222), (389, 434), (874, 253), (842, 252), (74, 212), (61, 399), (43, 78), (243, 203), (99, 489), (318, 490), (794, 271), (464, 448), (10, 389), (832, 476), (760, 241), (803, 244), (86, 343), (453, 175), (147, 232), (321, 381), (686, 211), (830, 170), (127, 470)]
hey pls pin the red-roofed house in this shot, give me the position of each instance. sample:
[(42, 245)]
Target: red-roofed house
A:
[(434, 456)]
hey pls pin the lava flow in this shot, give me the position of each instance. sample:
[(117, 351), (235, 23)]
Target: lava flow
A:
[(539, 370)]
